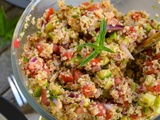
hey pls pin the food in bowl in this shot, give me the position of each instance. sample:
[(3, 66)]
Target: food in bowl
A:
[(79, 63)]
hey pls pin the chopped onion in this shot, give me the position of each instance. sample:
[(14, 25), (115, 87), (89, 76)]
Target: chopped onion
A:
[(114, 28), (55, 102), (125, 49), (108, 106), (34, 59), (81, 103), (71, 95)]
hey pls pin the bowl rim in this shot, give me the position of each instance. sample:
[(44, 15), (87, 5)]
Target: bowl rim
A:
[(14, 62)]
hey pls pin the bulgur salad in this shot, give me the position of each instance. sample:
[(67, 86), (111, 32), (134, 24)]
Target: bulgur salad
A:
[(79, 63)]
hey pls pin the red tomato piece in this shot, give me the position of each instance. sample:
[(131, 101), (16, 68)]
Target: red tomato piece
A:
[(88, 90), (68, 55), (149, 52), (77, 74), (108, 115), (50, 12), (150, 71), (95, 61), (136, 16), (92, 8), (66, 76), (150, 88), (134, 116), (101, 110), (44, 98), (39, 47), (157, 56), (148, 63), (157, 88), (55, 48), (117, 81), (16, 43)]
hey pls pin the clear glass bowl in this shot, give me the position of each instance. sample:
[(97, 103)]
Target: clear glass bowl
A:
[(39, 7)]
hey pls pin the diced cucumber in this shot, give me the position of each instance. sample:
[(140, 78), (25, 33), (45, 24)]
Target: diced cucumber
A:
[(109, 41), (49, 26), (37, 91), (148, 27), (104, 73), (57, 90), (78, 59), (108, 85), (105, 60), (157, 102), (86, 102), (125, 118), (51, 35), (133, 86), (146, 110), (148, 99), (157, 111), (113, 36)]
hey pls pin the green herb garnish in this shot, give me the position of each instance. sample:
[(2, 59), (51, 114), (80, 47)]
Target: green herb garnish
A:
[(98, 46), (6, 27)]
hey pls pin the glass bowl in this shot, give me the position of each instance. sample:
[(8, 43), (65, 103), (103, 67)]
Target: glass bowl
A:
[(36, 8)]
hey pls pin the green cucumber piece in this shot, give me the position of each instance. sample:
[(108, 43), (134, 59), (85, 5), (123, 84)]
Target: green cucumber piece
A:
[(37, 91), (104, 73), (49, 26), (125, 118), (157, 102), (113, 36), (108, 85), (148, 27), (105, 60), (133, 86), (57, 90), (148, 99)]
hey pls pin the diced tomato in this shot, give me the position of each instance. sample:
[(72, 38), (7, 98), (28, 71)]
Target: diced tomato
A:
[(34, 64), (94, 61), (148, 63), (136, 16), (66, 76), (108, 115), (148, 52), (101, 110), (50, 12), (88, 90), (150, 88), (92, 8), (157, 88), (150, 71), (39, 47), (131, 29), (79, 110), (157, 56), (117, 81), (134, 116), (16, 43), (85, 3), (44, 97), (77, 74), (126, 103), (68, 55), (55, 48)]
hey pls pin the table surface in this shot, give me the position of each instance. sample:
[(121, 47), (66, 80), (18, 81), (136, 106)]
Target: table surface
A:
[(5, 63)]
